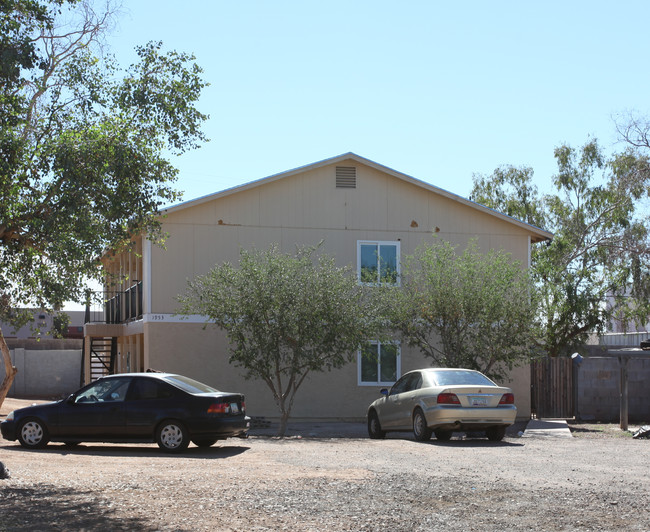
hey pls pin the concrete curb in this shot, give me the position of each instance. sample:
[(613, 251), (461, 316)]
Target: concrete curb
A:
[(547, 428)]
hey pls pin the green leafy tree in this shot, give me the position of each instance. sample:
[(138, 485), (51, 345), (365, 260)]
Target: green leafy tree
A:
[(511, 191), (83, 147), (600, 246), (472, 309), (635, 131), (286, 316)]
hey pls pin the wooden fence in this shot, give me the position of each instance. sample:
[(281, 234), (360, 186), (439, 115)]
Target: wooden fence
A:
[(552, 388)]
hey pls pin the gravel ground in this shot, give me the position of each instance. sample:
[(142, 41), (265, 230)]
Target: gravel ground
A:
[(598, 481)]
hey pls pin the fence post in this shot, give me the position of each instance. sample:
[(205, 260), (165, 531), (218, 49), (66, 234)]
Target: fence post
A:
[(622, 360)]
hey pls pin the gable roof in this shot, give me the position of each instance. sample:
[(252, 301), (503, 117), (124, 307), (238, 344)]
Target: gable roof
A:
[(537, 234)]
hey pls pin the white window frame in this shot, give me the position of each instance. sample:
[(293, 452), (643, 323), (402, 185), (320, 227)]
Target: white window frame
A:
[(380, 243), (398, 366)]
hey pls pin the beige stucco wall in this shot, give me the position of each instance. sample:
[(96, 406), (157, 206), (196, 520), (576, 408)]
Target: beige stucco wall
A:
[(202, 353), (307, 208), (304, 207)]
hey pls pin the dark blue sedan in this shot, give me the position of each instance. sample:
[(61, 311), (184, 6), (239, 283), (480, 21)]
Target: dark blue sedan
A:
[(168, 409)]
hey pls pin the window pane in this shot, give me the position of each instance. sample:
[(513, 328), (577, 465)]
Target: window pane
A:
[(369, 364), (388, 263), (368, 263), (119, 392), (150, 389), (105, 390), (388, 363), (460, 377), (189, 385), (399, 386)]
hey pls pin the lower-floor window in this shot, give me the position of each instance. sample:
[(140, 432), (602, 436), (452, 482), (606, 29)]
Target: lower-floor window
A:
[(379, 363)]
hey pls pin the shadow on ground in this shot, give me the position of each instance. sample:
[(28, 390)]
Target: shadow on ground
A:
[(214, 452), (48, 508)]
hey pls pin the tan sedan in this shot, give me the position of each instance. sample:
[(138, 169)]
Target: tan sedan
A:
[(442, 401)]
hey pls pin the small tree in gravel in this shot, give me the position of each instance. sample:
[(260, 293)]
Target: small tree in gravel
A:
[(286, 316)]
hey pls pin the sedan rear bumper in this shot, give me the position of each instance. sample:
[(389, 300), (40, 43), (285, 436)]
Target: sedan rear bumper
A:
[(459, 418), (221, 427)]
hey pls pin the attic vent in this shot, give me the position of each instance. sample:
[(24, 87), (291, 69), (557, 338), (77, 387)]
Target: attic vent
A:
[(346, 177)]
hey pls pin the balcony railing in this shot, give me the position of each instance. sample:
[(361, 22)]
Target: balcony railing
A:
[(116, 306)]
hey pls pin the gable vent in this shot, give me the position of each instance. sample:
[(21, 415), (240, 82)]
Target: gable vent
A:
[(346, 177)]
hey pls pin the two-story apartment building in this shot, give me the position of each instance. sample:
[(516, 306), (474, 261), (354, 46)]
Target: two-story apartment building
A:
[(358, 208)]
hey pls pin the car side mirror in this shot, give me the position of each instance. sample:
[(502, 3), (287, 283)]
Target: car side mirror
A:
[(384, 391), (70, 399)]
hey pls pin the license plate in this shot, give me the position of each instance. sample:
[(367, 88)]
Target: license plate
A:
[(479, 401), (234, 408)]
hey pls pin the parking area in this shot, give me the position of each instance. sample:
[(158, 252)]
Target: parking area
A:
[(317, 482), (330, 476)]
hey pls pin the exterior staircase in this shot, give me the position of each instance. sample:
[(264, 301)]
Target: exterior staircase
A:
[(103, 352)]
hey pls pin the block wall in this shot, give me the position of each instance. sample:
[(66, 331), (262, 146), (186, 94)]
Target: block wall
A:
[(599, 390), (44, 373)]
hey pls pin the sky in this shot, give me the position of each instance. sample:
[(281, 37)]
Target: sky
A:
[(436, 90)]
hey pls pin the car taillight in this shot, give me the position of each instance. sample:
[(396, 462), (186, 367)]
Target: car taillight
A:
[(218, 408), (507, 399), (448, 399), (243, 407)]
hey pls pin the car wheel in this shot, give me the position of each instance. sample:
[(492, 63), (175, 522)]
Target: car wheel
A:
[(204, 443), (495, 433), (172, 436), (443, 435), (32, 434), (374, 427), (420, 429)]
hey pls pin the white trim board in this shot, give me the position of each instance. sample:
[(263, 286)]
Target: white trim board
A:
[(159, 317)]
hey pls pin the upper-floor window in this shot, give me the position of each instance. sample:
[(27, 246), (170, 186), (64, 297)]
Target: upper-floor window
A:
[(378, 262)]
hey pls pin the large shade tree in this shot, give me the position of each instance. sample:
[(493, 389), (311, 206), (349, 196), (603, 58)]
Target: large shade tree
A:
[(286, 316), (600, 248), (473, 309), (635, 131), (84, 149)]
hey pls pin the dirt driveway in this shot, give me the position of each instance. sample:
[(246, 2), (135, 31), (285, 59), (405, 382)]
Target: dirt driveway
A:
[(332, 484)]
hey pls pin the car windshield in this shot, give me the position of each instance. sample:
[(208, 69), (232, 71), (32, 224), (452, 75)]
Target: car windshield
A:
[(458, 378), (190, 385)]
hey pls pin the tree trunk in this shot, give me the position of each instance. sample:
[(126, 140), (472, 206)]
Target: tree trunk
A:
[(10, 371), (284, 420)]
